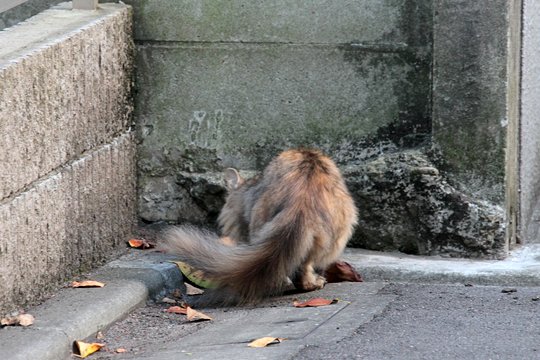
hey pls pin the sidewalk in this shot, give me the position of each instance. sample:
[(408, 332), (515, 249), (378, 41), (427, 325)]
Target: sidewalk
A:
[(74, 314)]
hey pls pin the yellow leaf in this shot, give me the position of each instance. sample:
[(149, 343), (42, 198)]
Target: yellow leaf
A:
[(194, 315), (314, 302), (84, 349), (25, 319), (194, 277), (21, 319), (265, 341), (87, 283)]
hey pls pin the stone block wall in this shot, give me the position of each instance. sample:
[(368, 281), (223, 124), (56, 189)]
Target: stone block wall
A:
[(67, 154), (232, 83), (470, 42)]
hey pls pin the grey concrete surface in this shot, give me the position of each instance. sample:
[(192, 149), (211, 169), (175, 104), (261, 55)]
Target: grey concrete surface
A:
[(469, 93), (278, 21), (66, 223), (439, 322), (67, 155), (216, 92), (74, 314), (65, 82), (23, 11), (237, 100), (395, 313), (530, 126), (521, 267)]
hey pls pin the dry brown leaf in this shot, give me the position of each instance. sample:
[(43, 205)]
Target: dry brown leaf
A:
[(341, 271), (192, 290), (120, 350), (167, 300), (87, 283), (194, 315), (21, 320), (177, 310), (25, 319), (83, 349), (265, 341), (314, 302), (140, 244), (9, 321)]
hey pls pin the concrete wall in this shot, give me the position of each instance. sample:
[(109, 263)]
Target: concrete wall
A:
[(24, 11), (470, 40), (231, 83), (67, 160), (530, 124)]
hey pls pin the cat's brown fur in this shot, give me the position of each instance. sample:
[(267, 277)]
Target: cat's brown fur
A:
[(293, 220)]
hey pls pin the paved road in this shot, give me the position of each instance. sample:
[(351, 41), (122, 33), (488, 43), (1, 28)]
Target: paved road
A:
[(445, 322), (377, 321), (402, 319)]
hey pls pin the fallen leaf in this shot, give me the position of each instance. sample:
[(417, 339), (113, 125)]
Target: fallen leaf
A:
[(192, 290), (314, 302), (177, 310), (265, 341), (194, 315), (341, 271), (140, 244), (194, 277), (25, 319), (21, 320), (120, 350), (87, 283), (167, 300), (83, 349)]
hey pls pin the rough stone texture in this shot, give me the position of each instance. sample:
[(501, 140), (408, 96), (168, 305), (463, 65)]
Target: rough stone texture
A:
[(84, 56), (24, 11), (195, 198), (405, 204), (215, 92), (279, 21), (530, 125), (67, 160), (469, 93), (68, 222)]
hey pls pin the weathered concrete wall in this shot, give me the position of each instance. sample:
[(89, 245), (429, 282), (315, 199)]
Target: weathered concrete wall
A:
[(67, 156), (530, 124), (24, 11), (469, 93), (214, 91)]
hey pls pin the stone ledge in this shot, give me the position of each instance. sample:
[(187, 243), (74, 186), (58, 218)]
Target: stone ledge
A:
[(60, 93), (66, 223)]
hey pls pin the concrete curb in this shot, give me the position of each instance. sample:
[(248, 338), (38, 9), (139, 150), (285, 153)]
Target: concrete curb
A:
[(521, 268), (75, 314)]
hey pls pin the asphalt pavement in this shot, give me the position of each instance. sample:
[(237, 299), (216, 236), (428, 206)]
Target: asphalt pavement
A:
[(408, 308)]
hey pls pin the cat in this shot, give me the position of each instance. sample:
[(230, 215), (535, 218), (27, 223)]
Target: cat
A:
[(290, 222)]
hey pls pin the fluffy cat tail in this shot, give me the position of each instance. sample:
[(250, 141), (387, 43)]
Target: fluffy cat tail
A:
[(243, 273)]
